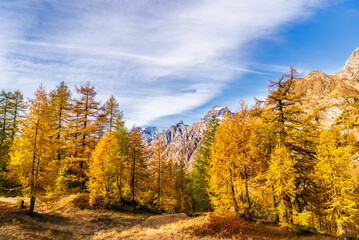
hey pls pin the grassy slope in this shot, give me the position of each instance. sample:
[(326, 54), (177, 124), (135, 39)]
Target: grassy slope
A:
[(68, 222)]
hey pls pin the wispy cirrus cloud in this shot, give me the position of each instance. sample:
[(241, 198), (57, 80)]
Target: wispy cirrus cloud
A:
[(158, 57)]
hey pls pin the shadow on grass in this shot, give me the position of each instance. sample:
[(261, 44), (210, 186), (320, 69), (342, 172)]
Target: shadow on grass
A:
[(37, 226)]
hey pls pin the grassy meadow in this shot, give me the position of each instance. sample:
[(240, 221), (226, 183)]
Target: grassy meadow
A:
[(59, 218)]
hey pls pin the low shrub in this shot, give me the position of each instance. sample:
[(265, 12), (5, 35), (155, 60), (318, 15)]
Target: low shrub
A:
[(20, 204), (85, 201), (227, 225), (82, 201)]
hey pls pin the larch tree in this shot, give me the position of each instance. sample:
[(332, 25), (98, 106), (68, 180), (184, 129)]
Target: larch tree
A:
[(157, 162), (238, 153), (61, 105), (61, 110), (112, 112), (11, 107), (84, 138), (122, 158), (102, 167), (281, 180), (5, 141), (169, 186), (32, 155), (138, 155), (6, 108), (222, 189), (294, 130), (332, 175), (18, 107), (249, 153), (108, 168), (107, 116)]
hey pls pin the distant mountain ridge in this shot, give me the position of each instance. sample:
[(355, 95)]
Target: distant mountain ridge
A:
[(182, 140)]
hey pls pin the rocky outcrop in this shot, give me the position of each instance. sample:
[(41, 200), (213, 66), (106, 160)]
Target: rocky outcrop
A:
[(327, 94), (151, 133), (351, 69), (182, 140)]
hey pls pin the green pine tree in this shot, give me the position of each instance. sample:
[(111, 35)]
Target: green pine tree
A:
[(199, 176)]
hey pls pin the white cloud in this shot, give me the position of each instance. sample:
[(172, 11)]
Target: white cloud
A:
[(158, 57)]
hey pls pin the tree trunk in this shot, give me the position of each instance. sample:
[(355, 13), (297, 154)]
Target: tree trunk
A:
[(236, 208), (159, 181), (14, 120), (32, 205), (276, 219), (82, 175), (132, 183), (247, 196), (4, 120), (32, 177), (288, 208)]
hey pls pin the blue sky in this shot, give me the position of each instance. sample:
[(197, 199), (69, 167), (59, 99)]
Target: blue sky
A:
[(167, 61)]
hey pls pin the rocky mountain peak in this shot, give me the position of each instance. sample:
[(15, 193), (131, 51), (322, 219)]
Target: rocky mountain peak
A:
[(151, 133), (351, 68), (182, 140), (180, 124), (316, 83), (216, 111)]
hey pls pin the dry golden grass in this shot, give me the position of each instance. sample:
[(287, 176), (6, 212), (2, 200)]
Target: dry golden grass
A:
[(69, 222)]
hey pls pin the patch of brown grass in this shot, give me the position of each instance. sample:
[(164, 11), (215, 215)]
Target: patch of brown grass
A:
[(167, 226)]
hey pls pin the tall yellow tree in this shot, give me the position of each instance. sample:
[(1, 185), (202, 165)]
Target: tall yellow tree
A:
[(108, 168), (237, 159), (122, 156), (32, 155), (11, 107), (332, 175), (223, 192), (102, 167), (111, 112), (157, 163), (82, 132), (280, 178), (294, 130), (61, 109), (138, 155)]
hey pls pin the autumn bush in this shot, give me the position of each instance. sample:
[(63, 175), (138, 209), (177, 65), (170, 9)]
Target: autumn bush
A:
[(226, 225), (82, 201)]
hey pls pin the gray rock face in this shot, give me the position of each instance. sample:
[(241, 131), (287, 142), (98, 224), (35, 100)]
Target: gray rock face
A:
[(351, 69), (150, 133), (182, 140)]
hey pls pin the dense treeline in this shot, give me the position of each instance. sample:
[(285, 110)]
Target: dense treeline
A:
[(277, 162), (56, 143), (274, 162)]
